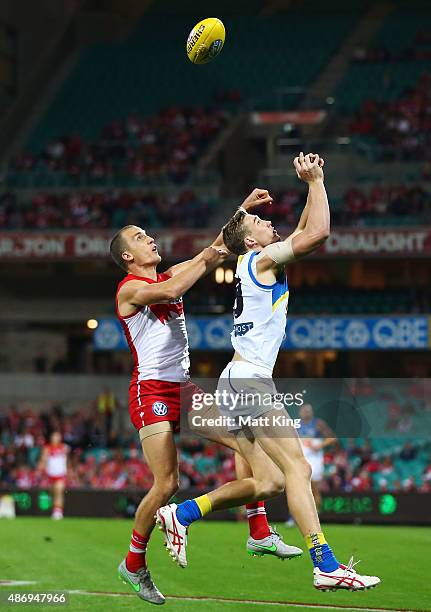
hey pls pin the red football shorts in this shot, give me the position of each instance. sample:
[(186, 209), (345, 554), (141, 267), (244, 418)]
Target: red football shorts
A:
[(53, 479), (155, 401)]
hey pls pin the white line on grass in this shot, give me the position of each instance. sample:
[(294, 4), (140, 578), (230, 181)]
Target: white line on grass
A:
[(249, 602), (16, 582)]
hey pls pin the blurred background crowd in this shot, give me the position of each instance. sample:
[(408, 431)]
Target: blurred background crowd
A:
[(105, 455)]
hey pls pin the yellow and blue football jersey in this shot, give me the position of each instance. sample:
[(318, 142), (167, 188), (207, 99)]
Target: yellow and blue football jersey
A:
[(260, 313)]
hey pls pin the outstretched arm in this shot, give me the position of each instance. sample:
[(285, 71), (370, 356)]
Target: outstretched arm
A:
[(137, 293), (304, 215), (256, 198), (317, 226), (316, 220)]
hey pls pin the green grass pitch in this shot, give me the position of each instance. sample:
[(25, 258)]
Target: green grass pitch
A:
[(83, 554)]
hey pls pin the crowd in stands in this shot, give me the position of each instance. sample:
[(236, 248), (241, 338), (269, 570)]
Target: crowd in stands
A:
[(163, 145), (358, 206), (184, 209), (401, 127), (102, 457), (169, 143), (102, 210), (360, 468), (419, 50), (398, 456)]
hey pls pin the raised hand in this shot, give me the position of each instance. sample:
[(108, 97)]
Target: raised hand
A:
[(256, 198), (309, 168), (214, 255)]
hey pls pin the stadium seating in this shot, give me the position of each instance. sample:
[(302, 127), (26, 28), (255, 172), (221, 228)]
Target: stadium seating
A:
[(379, 205), (93, 463), (326, 300), (99, 210), (112, 80), (397, 456), (397, 130), (392, 63), (379, 465), (134, 151)]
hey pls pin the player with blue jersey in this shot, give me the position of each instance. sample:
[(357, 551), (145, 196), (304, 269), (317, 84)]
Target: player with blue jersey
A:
[(315, 436), (246, 383)]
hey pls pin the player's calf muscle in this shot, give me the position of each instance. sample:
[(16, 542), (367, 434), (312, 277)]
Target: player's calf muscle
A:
[(243, 491)]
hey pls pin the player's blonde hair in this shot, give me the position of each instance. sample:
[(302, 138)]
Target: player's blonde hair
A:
[(235, 232)]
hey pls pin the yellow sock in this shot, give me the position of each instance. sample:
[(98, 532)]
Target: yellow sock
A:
[(315, 539), (204, 504)]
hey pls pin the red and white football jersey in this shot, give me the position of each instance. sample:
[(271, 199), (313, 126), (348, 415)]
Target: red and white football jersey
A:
[(56, 463), (157, 338)]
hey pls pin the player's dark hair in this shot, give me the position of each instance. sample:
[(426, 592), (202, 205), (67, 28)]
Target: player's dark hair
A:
[(234, 233), (118, 246)]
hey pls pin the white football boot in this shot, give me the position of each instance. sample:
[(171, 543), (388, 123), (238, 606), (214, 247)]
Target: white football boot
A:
[(175, 533), (345, 577)]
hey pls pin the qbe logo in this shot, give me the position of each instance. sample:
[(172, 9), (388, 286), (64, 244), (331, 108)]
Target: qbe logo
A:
[(160, 409)]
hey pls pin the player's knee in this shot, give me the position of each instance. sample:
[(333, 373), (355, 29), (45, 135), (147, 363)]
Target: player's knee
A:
[(297, 466), (269, 488), (168, 486), (172, 485), (276, 485), (304, 468), (273, 489)]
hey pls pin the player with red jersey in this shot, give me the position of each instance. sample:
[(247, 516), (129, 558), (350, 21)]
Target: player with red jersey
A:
[(150, 308), (53, 462)]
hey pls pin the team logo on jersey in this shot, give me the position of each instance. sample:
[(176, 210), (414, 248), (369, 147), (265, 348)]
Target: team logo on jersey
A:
[(160, 409), (165, 312), (240, 329)]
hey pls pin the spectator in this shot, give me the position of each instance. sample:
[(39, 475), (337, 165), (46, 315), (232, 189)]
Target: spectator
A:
[(202, 464), (408, 452), (164, 145), (81, 210), (107, 404), (361, 481), (401, 127)]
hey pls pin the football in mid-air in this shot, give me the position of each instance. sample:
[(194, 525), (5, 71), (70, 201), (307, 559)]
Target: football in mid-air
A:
[(206, 40)]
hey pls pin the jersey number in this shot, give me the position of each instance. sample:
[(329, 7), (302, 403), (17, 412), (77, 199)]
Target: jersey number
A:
[(239, 301)]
